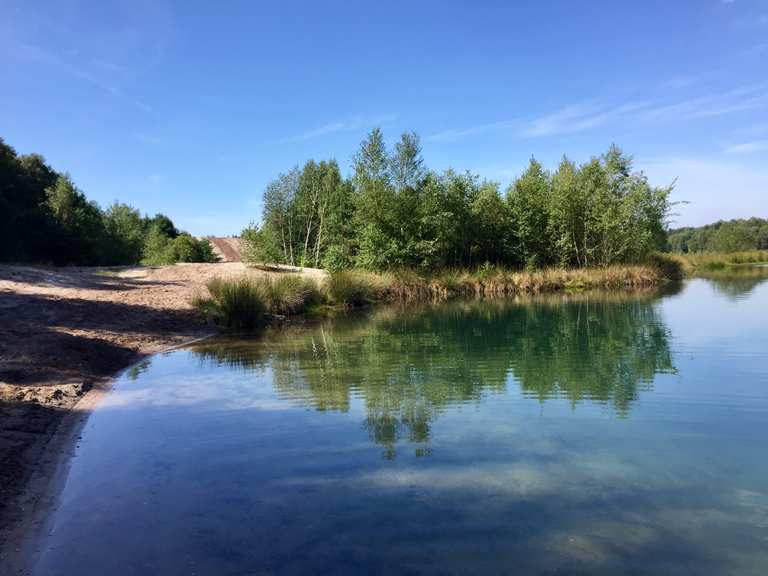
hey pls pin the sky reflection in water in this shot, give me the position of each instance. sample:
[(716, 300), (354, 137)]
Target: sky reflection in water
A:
[(584, 433)]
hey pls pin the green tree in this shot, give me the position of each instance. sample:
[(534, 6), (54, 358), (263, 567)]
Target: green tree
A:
[(125, 232), (376, 222), (529, 199), (406, 163), (732, 237), (80, 225)]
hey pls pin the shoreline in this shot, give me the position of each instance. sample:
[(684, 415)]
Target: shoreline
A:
[(39, 496), (68, 336), (65, 334)]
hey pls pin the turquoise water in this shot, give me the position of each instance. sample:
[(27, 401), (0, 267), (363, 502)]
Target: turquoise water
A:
[(583, 434)]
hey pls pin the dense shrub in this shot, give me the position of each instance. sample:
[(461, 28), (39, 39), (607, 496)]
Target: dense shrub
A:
[(160, 249)]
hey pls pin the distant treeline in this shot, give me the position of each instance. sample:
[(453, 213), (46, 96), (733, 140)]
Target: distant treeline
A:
[(393, 212), (730, 236), (44, 218)]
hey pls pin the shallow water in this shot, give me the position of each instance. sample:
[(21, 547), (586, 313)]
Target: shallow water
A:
[(584, 434)]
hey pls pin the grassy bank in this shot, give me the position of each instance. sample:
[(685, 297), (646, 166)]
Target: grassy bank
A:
[(704, 262), (246, 303)]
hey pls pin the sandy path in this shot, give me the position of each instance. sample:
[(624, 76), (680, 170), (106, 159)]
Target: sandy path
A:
[(65, 332), (227, 249)]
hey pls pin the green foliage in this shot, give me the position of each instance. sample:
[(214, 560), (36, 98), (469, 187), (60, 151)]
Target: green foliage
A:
[(44, 217), (80, 228), (306, 219), (393, 213), (528, 199), (187, 248), (160, 249), (26, 223), (125, 230), (722, 236)]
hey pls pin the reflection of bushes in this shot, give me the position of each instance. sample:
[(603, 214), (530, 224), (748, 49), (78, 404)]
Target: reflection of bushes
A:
[(736, 281), (410, 365), (593, 350)]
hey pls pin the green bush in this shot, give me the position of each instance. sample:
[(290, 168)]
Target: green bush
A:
[(161, 249)]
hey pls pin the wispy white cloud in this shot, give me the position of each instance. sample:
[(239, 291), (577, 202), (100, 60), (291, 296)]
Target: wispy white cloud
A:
[(460, 133), (576, 118), (738, 100), (82, 71), (351, 125), (569, 119), (747, 147), (583, 116)]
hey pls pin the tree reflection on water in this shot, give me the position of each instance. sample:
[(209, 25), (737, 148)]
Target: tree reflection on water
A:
[(409, 364)]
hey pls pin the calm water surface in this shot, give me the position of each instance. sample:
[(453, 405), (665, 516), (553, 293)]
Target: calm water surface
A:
[(590, 434)]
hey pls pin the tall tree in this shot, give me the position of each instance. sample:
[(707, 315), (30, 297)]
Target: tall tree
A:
[(80, 224), (529, 198), (406, 163)]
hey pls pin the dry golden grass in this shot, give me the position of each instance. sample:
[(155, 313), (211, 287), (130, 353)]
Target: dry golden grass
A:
[(492, 281), (243, 303), (720, 260)]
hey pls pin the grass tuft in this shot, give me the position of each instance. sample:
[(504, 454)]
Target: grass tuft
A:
[(290, 294), (234, 304), (243, 303), (351, 288)]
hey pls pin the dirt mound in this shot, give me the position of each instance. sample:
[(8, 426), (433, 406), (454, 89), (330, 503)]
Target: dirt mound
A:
[(226, 249)]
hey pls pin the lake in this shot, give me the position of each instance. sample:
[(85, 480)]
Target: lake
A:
[(592, 433)]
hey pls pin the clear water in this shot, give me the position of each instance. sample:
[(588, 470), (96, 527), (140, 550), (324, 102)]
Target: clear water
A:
[(587, 434)]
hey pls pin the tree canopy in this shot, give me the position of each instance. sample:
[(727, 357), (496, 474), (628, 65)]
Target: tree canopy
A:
[(45, 218), (722, 236), (393, 212)]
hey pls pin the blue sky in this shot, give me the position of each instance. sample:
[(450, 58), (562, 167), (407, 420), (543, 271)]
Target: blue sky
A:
[(189, 108)]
